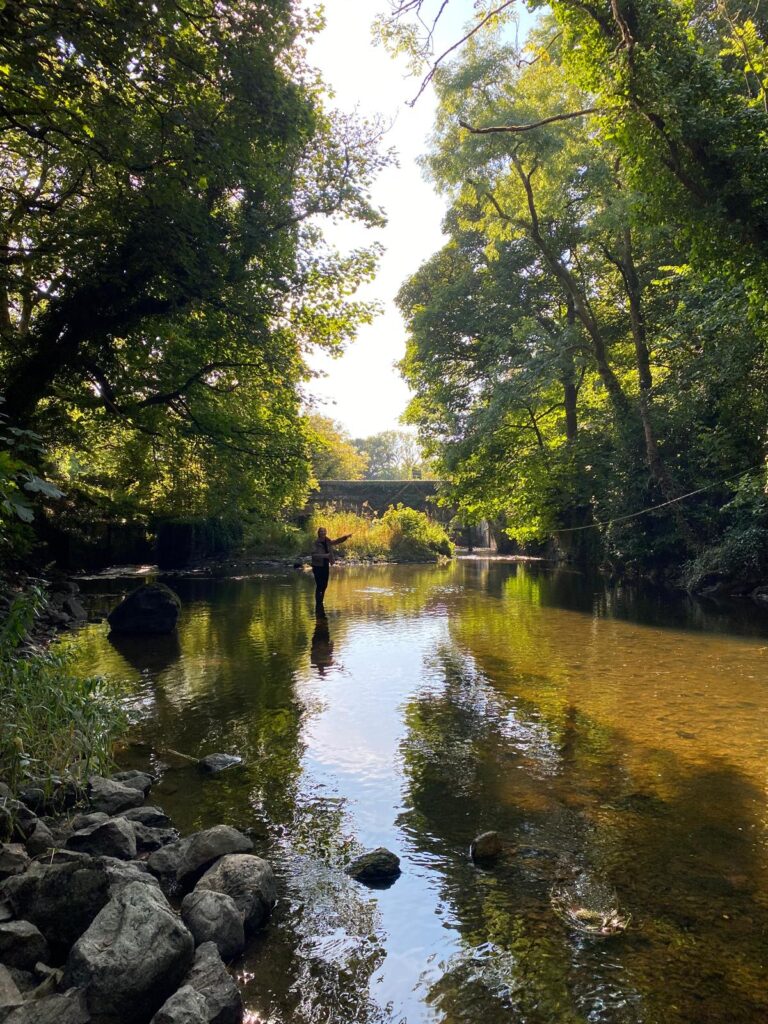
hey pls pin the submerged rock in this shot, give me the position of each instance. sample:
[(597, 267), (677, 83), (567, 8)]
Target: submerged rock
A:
[(486, 847), (380, 865), (131, 958), (214, 917), (152, 608), (212, 764), (250, 882), (209, 977)]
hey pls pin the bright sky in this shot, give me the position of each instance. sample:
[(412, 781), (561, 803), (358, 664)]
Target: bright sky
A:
[(362, 389)]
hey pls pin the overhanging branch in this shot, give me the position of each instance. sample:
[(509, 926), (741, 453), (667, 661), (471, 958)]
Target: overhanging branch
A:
[(516, 129)]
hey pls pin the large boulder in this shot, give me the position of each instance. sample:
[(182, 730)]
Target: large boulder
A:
[(111, 797), (184, 1007), (114, 837), (22, 945), (10, 995), (152, 817), (150, 839), (214, 917), (250, 882), (40, 839), (59, 1008), (123, 872), (132, 958), (62, 899), (151, 608), (209, 977), (134, 780), (164, 863), (204, 848)]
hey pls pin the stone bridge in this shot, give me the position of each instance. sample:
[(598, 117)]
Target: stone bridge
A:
[(378, 495)]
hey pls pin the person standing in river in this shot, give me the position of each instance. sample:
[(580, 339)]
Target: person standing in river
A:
[(323, 558)]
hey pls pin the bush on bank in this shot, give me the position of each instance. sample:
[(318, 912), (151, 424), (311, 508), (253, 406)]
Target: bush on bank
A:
[(54, 723), (401, 534)]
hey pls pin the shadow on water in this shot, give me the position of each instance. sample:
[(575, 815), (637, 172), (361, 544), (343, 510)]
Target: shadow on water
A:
[(433, 704)]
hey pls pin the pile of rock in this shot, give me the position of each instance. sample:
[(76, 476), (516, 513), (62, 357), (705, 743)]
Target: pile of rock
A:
[(88, 930)]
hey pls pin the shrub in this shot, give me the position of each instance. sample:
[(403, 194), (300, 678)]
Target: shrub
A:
[(54, 723), (274, 538), (401, 534)]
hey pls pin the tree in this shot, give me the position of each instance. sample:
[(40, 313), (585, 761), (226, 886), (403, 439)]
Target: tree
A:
[(334, 454), (392, 455)]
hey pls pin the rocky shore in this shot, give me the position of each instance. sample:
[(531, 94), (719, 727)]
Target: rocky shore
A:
[(108, 916)]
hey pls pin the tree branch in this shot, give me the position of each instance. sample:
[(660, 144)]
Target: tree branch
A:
[(518, 128)]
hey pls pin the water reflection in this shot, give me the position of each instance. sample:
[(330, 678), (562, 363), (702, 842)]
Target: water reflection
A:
[(610, 734)]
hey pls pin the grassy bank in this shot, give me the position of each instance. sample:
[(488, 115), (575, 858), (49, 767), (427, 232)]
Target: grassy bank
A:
[(54, 723), (399, 535)]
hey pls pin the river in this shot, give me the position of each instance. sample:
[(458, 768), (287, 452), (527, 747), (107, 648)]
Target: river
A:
[(613, 736)]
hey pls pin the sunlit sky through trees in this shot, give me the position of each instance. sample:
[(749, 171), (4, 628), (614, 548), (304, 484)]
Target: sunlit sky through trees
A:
[(362, 389)]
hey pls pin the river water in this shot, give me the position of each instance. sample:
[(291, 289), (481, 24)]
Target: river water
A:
[(617, 739)]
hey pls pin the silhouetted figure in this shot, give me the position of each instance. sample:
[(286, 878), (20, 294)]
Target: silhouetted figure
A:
[(321, 652), (322, 558)]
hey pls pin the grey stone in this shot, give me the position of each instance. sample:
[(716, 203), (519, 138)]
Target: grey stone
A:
[(212, 764), (25, 980), (132, 958), (152, 608), (379, 865), (203, 848), (214, 917), (123, 872), (486, 847), (210, 978), (74, 608), (114, 837), (184, 1007), (152, 817), (134, 780), (249, 881), (61, 899), (40, 839), (61, 1008), (16, 820), (22, 945), (112, 797), (150, 839), (14, 860), (6, 911), (164, 863), (9, 990), (81, 821)]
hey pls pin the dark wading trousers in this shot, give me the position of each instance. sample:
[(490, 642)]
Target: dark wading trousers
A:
[(321, 574)]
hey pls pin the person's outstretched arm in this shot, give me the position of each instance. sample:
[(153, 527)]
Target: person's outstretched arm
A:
[(341, 539)]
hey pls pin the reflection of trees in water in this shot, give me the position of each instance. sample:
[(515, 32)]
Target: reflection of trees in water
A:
[(676, 841)]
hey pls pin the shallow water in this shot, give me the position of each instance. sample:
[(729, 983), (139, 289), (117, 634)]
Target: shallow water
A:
[(618, 740)]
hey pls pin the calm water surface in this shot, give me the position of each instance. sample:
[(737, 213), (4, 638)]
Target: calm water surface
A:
[(614, 737)]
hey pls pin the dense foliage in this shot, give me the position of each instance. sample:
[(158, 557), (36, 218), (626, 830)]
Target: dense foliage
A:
[(591, 341), (401, 534), (164, 173)]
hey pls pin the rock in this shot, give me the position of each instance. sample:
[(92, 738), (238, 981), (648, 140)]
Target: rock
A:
[(760, 594), (214, 917), (249, 881), (150, 839), (14, 859), (380, 865), (152, 608), (61, 899), (22, 945), (9, 991), (210, 978), (212, 764), (164, 863), (486, 847), (112, 797), (203, 848), (40, 839), (135, 780), (74, 608), (51, 796), (123, 872), (132, 957), (184, 1007), (25, 980), (114, 837), (65, 1008), (16, 820), (152, 817), (81, 821), (6, 911)]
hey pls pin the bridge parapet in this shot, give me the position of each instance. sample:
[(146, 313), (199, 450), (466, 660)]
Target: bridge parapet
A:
[(378, 495)]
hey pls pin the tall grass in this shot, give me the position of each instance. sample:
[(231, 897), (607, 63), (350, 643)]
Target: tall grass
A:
[(55, 725), (401, 534)]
